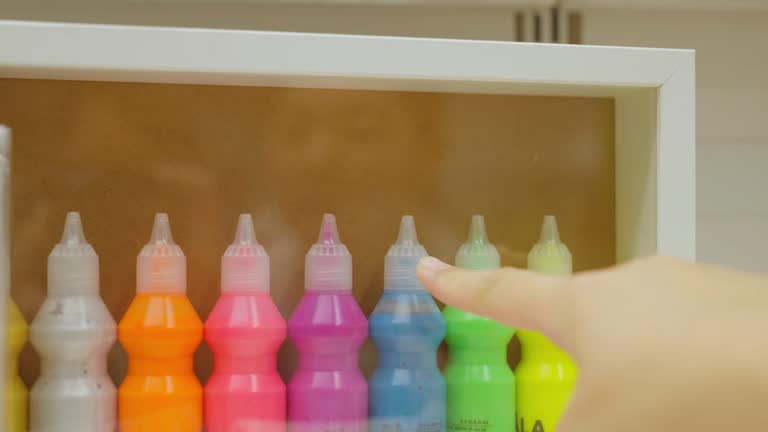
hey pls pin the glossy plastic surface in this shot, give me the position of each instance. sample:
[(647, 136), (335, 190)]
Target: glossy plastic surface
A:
[(328, 392), (161, 393), (407, 391), (545, 379), (72, 334), (14, 393), (481, 385), (245, 392)]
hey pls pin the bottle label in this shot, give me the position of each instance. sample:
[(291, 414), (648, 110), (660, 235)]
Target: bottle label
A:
[(321, 426), (405, 425), (470, 425), (535, 426)]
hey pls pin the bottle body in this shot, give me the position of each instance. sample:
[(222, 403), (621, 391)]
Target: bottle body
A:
[(73, 334), (161, 393), (328, 392), (245, 393), (15, 393), (481, 385), (407, 392), (545, 378)]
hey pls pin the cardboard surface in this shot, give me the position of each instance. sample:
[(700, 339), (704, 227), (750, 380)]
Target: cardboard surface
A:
[(119, 152)]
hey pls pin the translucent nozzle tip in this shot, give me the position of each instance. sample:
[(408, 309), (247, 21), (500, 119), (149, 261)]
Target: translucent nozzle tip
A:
[(161, 266), (478, 253), (5, 141), (550, 255), (73, 266), (407, 235), (403, 257), (245, 234), (161, 231), (73, 230), (549, 231), (329, 232), (477, 232), (245, 264), (328, 264)]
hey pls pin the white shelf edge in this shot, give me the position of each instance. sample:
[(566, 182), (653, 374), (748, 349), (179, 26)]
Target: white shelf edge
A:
[(738, 5), (204, 56)]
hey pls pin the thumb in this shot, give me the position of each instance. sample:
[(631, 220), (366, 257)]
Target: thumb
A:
[(517, 298)]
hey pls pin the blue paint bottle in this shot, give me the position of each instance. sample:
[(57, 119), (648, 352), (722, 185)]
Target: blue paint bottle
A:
[(407, 390)]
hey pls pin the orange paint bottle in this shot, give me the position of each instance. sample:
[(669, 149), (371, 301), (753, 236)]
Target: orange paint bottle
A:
[(160, 331)]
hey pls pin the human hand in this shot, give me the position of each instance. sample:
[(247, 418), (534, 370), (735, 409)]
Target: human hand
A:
[(661, 344)]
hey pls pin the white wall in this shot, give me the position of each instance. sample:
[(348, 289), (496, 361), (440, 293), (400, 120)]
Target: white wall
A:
[(732, 103)]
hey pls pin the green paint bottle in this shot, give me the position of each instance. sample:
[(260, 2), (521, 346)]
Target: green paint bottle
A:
[(481, 385)]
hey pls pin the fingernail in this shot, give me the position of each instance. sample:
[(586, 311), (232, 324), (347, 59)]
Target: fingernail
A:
[(432, 265)]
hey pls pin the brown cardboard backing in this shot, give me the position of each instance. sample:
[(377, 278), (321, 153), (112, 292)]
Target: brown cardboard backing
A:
[(118, 152)]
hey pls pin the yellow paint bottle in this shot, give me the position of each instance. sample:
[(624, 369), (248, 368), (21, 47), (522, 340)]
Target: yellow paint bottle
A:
[(15, 392), (546, 375)]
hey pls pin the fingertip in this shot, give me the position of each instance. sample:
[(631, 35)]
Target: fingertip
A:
[(428, 270)]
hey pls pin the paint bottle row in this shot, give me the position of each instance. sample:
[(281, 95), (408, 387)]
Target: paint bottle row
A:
[(73, 331)]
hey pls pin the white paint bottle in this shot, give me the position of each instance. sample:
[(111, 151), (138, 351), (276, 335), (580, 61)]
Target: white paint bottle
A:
[(72, 333)]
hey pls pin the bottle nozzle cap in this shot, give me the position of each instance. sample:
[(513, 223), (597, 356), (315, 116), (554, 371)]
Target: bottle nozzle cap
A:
[(161, 266), (478, 253), (73, 266), (329, 232), (245, 264), (403, 257), (550, 255), (328, 264), (161, 231), (5, 142), (549, 230)]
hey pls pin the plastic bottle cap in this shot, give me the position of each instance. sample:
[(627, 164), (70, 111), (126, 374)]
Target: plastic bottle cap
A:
[(550, 255), (403, 257), (245, 264), (328, 265), (161, 266), (5, 142), (73, 266), (478, 253)]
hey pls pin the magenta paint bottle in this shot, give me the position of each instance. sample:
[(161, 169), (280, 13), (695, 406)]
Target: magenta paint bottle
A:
[(327, 393)]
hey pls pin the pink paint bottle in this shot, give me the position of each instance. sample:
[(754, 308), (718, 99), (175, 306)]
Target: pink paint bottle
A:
[(245, 331), (328, 393)]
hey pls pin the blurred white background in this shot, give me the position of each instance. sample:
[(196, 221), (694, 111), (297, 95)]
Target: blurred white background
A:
[(730, 36)]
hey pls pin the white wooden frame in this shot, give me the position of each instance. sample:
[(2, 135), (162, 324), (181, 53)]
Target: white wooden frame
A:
[(653, 90)]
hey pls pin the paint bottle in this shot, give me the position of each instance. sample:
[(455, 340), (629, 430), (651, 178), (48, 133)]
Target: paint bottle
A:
[(160, 331), (245, 330), (546, 375), (328, 393), (13, 331), (73, 333), (407, 390), (14, 391), (481, 385)]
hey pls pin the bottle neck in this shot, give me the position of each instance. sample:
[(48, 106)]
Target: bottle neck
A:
[(160, 366), (407, 360), (478, 355), (95, 365), (11, 366), (231, 365), (328, 361)]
